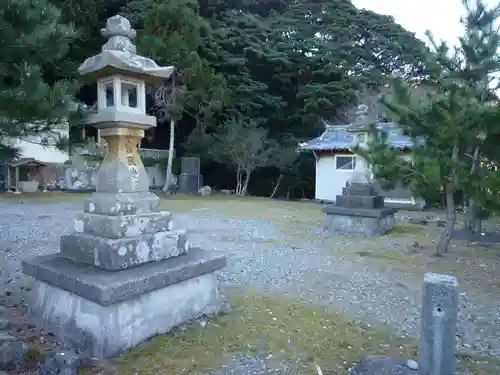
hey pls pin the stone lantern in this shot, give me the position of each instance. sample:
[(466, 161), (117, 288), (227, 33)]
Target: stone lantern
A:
[(359, 129), (121, 117), (124, 274)]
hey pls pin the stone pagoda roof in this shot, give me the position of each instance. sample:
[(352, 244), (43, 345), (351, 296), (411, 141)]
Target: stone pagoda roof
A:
[(119, 55)]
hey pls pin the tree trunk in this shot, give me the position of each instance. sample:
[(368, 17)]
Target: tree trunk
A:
[(451, 214), (170, 156), (276, 186), (239, 182), (245, 183), (474, 223), (451, 218)]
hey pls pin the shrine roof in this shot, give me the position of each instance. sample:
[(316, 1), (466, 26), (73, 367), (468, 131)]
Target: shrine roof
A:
[(338, 137)]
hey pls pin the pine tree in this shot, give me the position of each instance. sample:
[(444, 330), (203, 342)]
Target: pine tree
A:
[(31, 37), (450, 127)]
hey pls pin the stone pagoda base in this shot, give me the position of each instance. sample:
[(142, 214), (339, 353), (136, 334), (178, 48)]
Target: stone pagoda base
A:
[(104, 313), (123, 276), (359, 210)]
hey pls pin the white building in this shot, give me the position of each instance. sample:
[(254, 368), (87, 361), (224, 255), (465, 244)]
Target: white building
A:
[(35, 148), (336, 164)]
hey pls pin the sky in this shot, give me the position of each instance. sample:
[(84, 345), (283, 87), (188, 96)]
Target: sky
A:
[(442, 17)]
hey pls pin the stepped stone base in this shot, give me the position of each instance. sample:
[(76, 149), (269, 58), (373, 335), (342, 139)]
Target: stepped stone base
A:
[(104, 313), (365, 222), (115, 254)]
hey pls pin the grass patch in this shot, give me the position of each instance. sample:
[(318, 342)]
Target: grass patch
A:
[(285, 328), (404, 228)]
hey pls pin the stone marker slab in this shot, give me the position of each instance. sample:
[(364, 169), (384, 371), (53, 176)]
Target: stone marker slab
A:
[(106, 288), (439, 318), (122, 203), (115, 254), (115, 227)]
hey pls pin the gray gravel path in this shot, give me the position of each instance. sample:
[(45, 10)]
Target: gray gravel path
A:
[(260, 256)]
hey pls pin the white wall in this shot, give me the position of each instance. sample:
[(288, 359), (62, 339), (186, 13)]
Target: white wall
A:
[(30, 147), (329, 180), (40, 153)]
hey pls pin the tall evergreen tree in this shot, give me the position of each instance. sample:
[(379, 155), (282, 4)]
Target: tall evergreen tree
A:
[(451, 126), (32, 37)]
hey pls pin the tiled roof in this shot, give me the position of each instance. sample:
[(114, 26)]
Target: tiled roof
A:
[(337, 137)]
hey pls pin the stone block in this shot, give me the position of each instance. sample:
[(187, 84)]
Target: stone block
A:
[(439, 315), (107, 288), (360, 221), (105, 331), (122, 203), (189, 184), (364, 226), (115, 175), (359, 201), (359, 188), (114, 227), (115, 254)]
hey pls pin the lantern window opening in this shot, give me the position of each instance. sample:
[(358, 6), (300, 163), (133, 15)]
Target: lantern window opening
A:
[(130, 94), (105, 93)]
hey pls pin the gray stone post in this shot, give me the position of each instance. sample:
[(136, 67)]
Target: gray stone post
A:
[(438, 325)]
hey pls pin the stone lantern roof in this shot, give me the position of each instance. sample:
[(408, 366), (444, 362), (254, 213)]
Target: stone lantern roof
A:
[(118, 55)]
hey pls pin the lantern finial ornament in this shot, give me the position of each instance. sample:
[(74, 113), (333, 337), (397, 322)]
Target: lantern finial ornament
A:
[(120, 35)]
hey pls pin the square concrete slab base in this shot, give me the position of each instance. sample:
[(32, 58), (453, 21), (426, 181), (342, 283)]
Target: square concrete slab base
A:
[(105, 331)]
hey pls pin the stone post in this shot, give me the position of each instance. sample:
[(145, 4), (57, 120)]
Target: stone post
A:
[(9, 182), (16, 191), (438, 325), (124, 274)]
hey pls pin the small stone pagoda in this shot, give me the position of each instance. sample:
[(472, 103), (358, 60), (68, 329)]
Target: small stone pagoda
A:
[(125, 274), (359, 210)]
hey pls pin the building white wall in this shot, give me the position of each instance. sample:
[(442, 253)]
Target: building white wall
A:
[(330, 181), (44, 154), (30, 147)]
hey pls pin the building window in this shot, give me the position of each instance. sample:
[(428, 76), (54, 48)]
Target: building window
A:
[(345, 163)]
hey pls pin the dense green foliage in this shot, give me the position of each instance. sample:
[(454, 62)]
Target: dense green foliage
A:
[(32, 37), (281, 65), (452, 128)]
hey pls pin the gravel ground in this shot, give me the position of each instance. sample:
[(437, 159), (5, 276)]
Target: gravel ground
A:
[(260, 256)]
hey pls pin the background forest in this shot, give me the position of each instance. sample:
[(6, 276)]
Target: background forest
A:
[(251, 75)]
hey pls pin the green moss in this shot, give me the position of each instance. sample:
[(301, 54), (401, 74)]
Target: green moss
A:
[(288, 328)]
